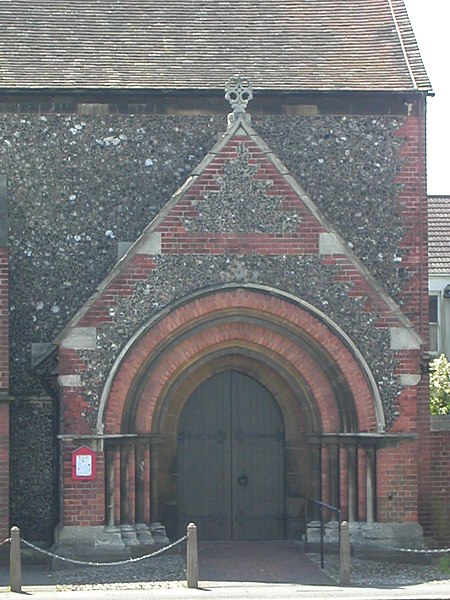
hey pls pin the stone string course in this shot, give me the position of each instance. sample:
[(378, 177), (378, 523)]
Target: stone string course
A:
[(177, 276)]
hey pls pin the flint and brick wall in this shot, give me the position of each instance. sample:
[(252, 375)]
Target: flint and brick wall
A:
[(4, 380), (365, 173), (188, 231)]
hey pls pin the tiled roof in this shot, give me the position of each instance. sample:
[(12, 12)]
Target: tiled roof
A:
[(354, 45), (439, 234)]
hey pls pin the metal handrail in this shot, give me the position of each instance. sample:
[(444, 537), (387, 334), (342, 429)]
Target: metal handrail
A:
[(321, 506)]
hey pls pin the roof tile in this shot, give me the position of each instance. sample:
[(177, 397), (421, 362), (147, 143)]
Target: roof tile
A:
[(356, 45), (439, 234)]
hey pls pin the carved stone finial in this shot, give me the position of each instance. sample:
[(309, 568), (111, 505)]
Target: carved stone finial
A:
[(238, 92)]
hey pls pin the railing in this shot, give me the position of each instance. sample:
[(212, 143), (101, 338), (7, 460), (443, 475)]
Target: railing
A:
[(343, 537), (320, 506)]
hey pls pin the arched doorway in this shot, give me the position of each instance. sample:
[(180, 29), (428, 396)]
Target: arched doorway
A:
[(230, 457), (315, 381)]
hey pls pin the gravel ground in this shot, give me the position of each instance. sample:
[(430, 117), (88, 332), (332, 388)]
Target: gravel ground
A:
[(163, 572), (170, 571), (373, 573)]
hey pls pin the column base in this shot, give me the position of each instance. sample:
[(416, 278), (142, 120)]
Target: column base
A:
[(106, 543), (129, 536), (159, 534), (144, 534), (382, 540)]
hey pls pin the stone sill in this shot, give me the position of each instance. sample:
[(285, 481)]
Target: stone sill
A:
[(440, 422)]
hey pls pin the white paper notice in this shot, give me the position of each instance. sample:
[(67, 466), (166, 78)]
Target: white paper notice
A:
[(83, 465)]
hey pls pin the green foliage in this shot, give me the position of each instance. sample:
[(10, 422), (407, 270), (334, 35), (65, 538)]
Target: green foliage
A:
[(440, 386), (444, 564)]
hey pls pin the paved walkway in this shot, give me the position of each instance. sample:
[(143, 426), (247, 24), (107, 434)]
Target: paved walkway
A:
[(265, 562), (231, 571)]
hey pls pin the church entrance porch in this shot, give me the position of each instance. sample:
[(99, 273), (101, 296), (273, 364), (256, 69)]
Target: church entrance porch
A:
[(228, 410)]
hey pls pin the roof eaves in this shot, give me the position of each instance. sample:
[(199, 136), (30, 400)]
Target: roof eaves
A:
[(410, 48)]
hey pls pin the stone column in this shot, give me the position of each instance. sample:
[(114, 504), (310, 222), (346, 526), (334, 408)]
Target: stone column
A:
[(124, 484), (333, 457), (158, 530), (142, 529), (352, 470), (154, 492), (139, 477), (317, 478), (370, 484), (110, 452), (127, 530)]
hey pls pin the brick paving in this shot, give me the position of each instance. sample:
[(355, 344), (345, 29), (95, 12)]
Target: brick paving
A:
[(266, 562)]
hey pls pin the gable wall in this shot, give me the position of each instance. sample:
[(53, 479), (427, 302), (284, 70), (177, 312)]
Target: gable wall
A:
[(198, 238), (115, 190)]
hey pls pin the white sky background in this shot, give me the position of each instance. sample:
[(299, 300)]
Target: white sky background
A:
[(430, 20)]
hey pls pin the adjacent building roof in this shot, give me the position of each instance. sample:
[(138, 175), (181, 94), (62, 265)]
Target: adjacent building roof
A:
[(439, 235), (323, 45)]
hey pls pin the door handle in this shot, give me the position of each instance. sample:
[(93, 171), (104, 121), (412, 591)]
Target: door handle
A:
[(242, 479)]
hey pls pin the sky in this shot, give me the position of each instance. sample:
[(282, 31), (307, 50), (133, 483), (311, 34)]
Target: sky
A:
[(430, 20)]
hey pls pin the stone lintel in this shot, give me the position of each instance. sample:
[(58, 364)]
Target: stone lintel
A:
[(329, 244), (403, 339), (410, 379), (150, 243), (70, 380), (80, 338)]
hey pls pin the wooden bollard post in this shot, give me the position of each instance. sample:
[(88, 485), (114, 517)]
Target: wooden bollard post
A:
[(15, 561), (344, 555), (192, 556)]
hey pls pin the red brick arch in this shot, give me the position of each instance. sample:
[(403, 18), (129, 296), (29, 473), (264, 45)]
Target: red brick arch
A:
[(291, 340)]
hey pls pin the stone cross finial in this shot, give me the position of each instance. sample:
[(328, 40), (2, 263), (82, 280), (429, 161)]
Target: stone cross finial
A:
[(238, 92)]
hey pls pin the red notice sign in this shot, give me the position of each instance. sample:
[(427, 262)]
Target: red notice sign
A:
[(84, 461)]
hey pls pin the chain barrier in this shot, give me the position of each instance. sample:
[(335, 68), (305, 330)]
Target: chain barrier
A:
[(5, 541), (415, 550), (103, 564)]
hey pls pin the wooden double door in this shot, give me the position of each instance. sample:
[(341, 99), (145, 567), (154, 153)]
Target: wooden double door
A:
[(231, 460)]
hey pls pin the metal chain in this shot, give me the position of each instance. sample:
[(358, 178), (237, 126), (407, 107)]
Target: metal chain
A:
[(104, 564), (416, 550), (5, 541)]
